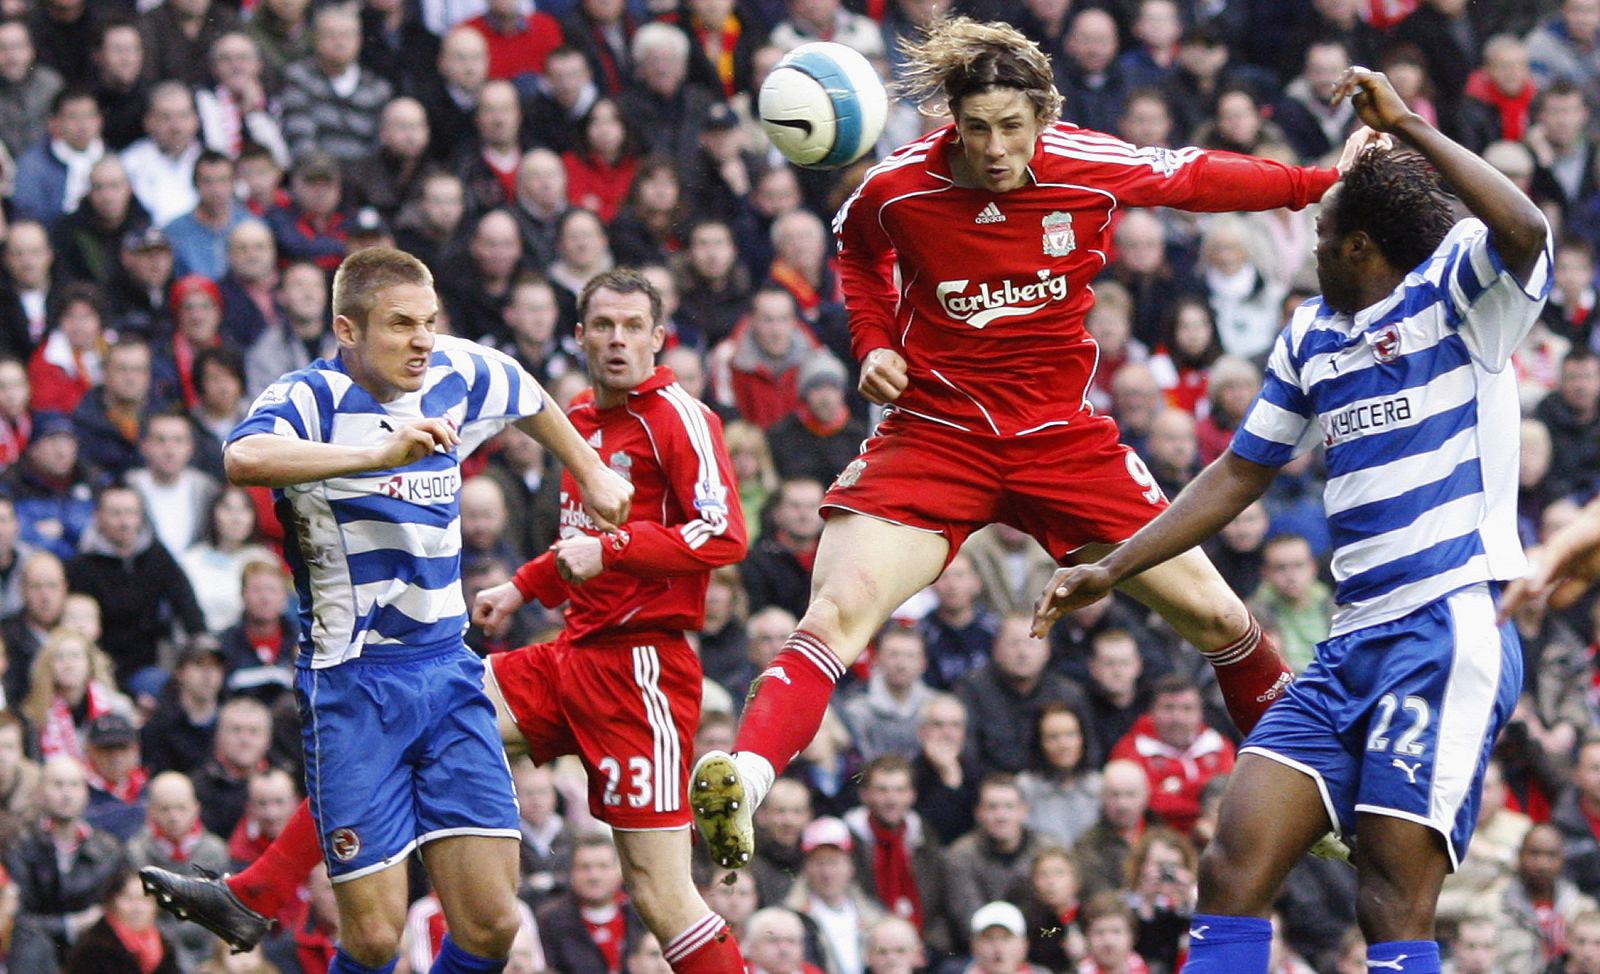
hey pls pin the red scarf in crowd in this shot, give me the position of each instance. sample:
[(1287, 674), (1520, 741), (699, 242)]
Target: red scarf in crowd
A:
[(127, 792), (177, 848), (891, 871), (144, 945), (59, 735), (727, 39), (1513, 109)]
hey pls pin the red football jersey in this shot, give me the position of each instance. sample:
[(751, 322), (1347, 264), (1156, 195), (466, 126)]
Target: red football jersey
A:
[(685, 519), (995, 286)]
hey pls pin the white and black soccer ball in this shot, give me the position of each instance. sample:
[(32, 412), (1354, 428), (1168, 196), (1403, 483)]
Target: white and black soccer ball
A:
[(823, 106)]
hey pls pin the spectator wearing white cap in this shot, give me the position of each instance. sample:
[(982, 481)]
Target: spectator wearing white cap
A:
[(1000, 941), (828, 895)]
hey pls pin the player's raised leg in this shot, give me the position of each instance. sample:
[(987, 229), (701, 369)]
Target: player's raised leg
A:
[(655, 867), (865, 567)]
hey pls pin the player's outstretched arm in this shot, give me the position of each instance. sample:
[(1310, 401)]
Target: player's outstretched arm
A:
[(1518, 228), (1562, 568), (1221, 491), (606, 495), (268, 460)]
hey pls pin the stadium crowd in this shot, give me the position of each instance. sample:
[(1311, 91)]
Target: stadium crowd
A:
[(181, 178)]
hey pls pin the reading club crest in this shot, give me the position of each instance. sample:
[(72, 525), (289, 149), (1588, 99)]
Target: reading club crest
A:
[(1386, 343), (1059, 240)]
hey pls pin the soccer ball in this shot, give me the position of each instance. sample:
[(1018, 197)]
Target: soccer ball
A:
[(823, 106)]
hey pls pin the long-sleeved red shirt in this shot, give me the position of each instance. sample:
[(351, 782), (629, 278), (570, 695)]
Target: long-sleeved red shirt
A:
[(995, 286), (685, 519)]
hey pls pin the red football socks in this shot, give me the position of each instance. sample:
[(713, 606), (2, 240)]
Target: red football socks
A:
[(267, 884), (707, 947), (790, 698), (1251, 674)]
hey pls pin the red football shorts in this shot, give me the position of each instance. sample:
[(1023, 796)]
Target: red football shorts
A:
[(1067, 486), (627, 706)]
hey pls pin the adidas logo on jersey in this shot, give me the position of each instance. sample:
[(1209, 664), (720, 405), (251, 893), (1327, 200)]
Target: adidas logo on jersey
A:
[(594, 439), (990, 214)]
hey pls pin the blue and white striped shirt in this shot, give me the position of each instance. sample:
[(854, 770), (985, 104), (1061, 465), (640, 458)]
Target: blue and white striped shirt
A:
[(1413, 399), (377, 556)]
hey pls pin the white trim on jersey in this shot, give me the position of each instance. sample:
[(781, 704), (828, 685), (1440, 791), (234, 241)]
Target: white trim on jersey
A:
[(986, 417)]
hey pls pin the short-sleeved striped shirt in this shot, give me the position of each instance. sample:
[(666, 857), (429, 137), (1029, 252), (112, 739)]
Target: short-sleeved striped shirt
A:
[(377, 556), (1413, 399)]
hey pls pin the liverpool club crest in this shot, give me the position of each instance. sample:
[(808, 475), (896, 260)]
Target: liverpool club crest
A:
[(1059, 240)]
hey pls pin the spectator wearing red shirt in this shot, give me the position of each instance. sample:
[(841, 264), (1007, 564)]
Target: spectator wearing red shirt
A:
[(1505, 84), (757, 369), (70, 361), (601, 169), (518, 42), (1178, 752), (311, 227)]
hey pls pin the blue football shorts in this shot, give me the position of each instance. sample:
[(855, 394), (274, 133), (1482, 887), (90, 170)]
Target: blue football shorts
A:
[(401, 753), (1398, 718)]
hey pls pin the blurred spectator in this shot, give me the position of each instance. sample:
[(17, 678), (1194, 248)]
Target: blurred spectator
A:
[(143, 594), (1448, 40), (330, 102), (882, 715), (582, 251), (714, 286), (531, 483), (199, 238), (547, 841), (175, 839), (802, 265), (229, 540), (1161, 879), (1152, 56), (898, 862), (1009, 691), (999, 941), (1108, 926), (1103, 850), (19, 778), (127, 938), (821, 437), (270, 799), (1178, 752), (649, 225), (1171, 451), (731, 894), (16, 420), (160, 166), (774, 943), (312, 226), (118, 82), (1575, 814), (604, 31), (1146, 120), (247, 286), (1090, 80), (52, 488), (779, 822), (484, 522), (110, 418), (661, 103), (300, 336), (88, 240), (556, 101), (1052, 911), (757, 369), (29, 295), (1061, 785), (62, 865), (238, 110), (180, 733), (41, 589), (1476, 947), (116, 776), (1553, 706), (778, 570), (1010, 565), (723, 645), (1571, 311), (1189, 347), (960, 630), (392, 176), (1503, 85), (1539, 904), (1231, 386), (1296, 602), (719, 172), (1117, 696), (62, 31), (1572, 414), (1566, 47), (487, 162), (451, 97), (893, 947), (26, 88), (1140, 265), (1239, 123), (1312, 121), (590, 928), (752, 467), (178, 35), (70, 361), (220, 404), (477, 286), (829, 767), (1562, 147), (946, 780), (1204, 69), (814, 20), (261, 180), (992, 862), (176, 496), (518, 41), (1246, 302), (429, 228), (313, 927), (531, 316), (53, 173), (827, 893), (243, 734), (1583, 952), (139, 289), (601, 166)]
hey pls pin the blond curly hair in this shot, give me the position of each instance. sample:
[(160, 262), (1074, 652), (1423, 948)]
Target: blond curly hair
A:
[(958, 56)]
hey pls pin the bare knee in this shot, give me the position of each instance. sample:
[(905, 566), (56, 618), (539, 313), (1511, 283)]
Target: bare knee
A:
[(488, 933), (1235, 883), (369, 938), (834, 619), (1396, 897)]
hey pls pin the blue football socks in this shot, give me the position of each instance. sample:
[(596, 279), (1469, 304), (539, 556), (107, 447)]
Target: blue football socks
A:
[(1228, 945)]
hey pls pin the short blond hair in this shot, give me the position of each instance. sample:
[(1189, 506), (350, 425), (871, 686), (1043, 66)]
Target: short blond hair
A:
[(366, 272)]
